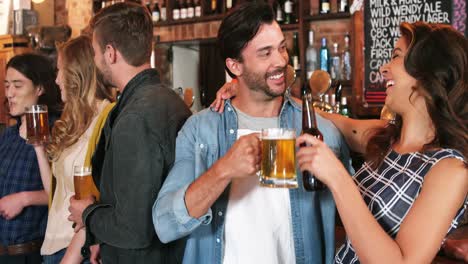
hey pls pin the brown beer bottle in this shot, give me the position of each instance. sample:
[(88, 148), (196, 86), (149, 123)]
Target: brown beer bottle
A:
[(309, 126)]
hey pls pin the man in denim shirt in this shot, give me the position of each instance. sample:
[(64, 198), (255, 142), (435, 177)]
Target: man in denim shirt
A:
[(212, 194)]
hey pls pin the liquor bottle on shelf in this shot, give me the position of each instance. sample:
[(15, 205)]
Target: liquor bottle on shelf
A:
[(156, 13), (333, 101), (344, 110), (337, 96), (346, 60), (190, 9), (324, 7), (214, 7), (198, 8), (309, 126), (343, 6), (163, 11), (176, 10), (324, 55), (148, 6), (311, 55), (279, 11), (230, 4), (288, 12), (295, 52), (183, 10), (335, 64)]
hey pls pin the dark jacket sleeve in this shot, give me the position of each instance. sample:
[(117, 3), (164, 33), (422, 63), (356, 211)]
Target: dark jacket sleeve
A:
[(137, 174)]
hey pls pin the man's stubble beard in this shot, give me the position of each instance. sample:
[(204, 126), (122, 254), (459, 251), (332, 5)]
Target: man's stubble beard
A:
[(257, 83)]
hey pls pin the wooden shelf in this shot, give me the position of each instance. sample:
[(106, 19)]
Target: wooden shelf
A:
[(189, 20), (189, 42), (330, 16), (289, 27), (346, 83)]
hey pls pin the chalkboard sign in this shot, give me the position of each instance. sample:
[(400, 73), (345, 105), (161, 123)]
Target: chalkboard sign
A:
[(381, 30)]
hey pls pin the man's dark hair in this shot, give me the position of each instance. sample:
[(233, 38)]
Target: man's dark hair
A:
[(240, 26), (128, 28)]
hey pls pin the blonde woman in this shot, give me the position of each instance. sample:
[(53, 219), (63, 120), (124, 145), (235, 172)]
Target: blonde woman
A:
[(85, 97)]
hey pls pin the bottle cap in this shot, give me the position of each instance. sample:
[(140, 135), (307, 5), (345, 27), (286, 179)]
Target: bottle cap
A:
[(343, 100), (324, 41), (335, 47), (311, 37)]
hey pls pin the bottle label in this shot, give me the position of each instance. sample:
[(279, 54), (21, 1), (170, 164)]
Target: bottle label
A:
[(288, 7), (279, 14), (155, 17), (346, 66), (296, 64), (326, 7), (176, 14), (343, 5), (183, 13), (213, 5), (163, 14), (198, 11), (190, 12)]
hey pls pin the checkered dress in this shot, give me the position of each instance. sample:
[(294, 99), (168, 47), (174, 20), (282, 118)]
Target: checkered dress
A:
[(391, 190)]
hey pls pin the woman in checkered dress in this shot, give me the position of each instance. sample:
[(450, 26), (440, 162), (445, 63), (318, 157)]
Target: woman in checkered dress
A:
[(411, 191)]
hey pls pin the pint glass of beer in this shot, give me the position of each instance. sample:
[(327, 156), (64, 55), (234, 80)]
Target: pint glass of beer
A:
[(278, 158), (83, 182), (37, 124)]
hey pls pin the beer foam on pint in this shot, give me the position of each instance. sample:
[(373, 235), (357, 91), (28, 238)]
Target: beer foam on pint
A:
[(36, 111), (82, 173), (279, 134)]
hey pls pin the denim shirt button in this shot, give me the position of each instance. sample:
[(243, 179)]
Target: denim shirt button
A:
[(229, 109), (231, 131), (218, 240), (220, 213), (202, 146)]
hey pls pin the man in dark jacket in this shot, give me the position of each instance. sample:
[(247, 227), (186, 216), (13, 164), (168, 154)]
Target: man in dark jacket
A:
[(137, 146)]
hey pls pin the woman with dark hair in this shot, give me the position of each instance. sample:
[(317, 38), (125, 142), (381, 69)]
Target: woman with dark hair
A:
[(23, 202), (412, 189), (85, 97)]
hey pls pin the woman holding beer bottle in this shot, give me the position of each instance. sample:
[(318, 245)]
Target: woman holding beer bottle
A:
[(29, 80), (85, 97), (411, 191)]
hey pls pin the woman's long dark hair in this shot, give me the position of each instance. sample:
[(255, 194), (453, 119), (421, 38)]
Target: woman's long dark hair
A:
[(437, 58), (41, 72)]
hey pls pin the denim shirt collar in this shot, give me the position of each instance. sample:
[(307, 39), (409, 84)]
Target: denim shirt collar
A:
[(288, 102)]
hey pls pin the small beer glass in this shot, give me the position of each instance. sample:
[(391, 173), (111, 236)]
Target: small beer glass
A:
[(37, 124), (278, 167), (83, 182)]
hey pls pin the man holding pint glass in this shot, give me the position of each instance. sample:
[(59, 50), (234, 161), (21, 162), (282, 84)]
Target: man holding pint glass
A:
[(213, 196)]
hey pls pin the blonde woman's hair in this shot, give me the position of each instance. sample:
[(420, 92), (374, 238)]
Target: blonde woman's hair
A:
[(83, 87)]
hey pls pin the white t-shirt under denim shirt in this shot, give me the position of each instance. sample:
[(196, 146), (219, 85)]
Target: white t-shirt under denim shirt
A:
[(258, 225)]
